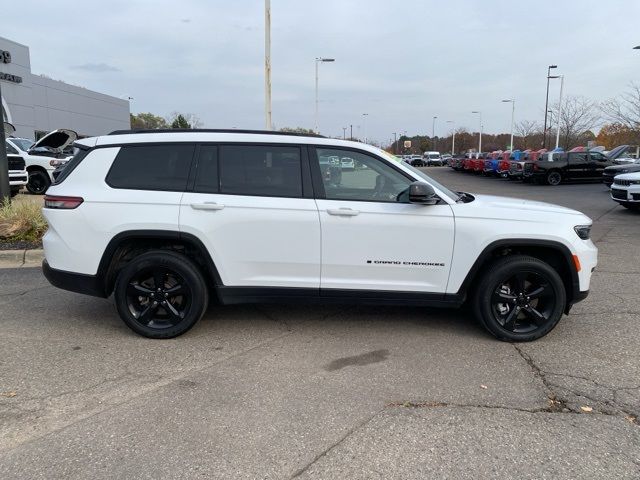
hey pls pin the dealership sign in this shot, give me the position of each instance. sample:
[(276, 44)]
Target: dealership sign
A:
[(5, 57)]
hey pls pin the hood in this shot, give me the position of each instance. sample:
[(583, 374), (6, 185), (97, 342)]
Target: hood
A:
[(57, 140), (9, 129), (630, 167), (519, 205), (628, 176), (617, 152)]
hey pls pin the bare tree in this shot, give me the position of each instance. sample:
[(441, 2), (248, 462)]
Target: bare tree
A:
[(578, 117), (191, 119), (528, 133), (624, 109)]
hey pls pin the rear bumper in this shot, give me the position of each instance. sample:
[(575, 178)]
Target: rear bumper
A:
[(74, 282)]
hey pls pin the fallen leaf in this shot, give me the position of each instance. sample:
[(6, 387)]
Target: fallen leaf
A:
[(586, 409), (631, 419), (8, 394), (483, 387)]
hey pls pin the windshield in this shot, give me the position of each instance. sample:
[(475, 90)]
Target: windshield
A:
[(452, 196), (434, 155), (22, 143)]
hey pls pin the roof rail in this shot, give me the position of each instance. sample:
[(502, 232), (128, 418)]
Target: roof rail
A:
[(212, 130)]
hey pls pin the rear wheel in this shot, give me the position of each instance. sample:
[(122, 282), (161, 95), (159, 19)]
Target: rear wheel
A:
[(554, 178), (38, 182), (160, 294), (520, 299)]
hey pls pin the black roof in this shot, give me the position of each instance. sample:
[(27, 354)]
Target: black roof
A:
[(213, 130)]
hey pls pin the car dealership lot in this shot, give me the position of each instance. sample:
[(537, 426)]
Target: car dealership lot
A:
[(275, 391)]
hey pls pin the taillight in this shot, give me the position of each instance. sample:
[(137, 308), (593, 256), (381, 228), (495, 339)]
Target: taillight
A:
[(64, 203)]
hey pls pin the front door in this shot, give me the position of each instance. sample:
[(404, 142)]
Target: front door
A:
[(577, 165), (596, 165), (250, 209), (372, 238)]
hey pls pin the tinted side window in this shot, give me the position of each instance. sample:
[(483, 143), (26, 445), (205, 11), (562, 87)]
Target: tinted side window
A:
[(263, 170), (152, 167), (207, 174), (577, 158)]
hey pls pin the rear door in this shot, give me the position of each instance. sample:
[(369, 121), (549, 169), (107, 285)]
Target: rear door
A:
[(253, 208), (576, 165)]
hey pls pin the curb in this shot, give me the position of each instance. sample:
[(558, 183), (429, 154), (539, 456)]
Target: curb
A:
[(21, 258)]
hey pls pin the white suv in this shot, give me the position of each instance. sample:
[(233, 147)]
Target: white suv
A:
[(166, 219), (626, 190)]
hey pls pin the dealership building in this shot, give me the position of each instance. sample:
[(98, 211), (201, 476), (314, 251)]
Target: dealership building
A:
[(36, 104)]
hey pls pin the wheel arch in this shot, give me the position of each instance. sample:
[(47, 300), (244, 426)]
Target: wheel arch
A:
[(552, 252), (126, 245)]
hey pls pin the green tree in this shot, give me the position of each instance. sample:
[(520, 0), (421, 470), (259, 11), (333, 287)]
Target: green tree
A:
[(307, 131), (147, 121), (180, 122)]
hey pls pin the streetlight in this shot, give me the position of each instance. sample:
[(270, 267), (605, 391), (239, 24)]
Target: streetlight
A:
[(546, 107), (395, 143), (365, 115), (636, 48), (267, 63), (433, 134), (513, 110), (344, 133), (480, 136), (559, 116), (319, 60), (453, 142)]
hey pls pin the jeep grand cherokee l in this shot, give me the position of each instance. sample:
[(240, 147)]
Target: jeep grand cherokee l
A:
[(165, 220)]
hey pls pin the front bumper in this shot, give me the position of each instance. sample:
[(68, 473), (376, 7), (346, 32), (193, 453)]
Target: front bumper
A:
[(626, 194), (18, 178)]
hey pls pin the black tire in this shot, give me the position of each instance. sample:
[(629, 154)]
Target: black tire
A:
[(38, 182), (519, 299), (170, 309), (554, 178)]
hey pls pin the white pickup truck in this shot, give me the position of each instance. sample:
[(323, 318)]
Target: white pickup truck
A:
[(42, 157)]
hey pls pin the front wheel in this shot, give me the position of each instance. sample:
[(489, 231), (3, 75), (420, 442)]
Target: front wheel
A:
[(520, 299), (554, 178), (160, 294), (38, 182)]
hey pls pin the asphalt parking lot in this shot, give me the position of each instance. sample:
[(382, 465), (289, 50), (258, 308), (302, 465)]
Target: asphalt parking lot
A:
[(283, 391)]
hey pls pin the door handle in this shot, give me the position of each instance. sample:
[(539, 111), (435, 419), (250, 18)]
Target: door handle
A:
[(343, 212), (207, 206)]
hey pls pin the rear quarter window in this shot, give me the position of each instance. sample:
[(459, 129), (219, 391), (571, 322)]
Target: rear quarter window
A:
[(72, 164), (152, 167)]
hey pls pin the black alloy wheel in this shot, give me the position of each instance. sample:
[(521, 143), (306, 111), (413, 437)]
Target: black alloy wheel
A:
[(38, 182), (160, 294), (554, 178), (520, 298)]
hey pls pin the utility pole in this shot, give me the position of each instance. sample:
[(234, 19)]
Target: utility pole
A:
[(5, 189), (546, 107), (319, 60), (267, 63), (365, 115), (395, 143), (344, 133), (351, 134), (434, 145)]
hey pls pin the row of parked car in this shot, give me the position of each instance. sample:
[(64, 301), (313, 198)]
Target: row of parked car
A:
[(616, 168), (33, 164), (427, 159)]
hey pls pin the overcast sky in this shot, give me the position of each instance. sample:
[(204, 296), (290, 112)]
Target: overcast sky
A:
[(401, 62)]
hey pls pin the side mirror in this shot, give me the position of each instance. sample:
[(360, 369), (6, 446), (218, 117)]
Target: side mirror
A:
[(422, 193)]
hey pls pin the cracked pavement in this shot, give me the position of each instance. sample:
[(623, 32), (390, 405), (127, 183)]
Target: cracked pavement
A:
[(284, 391)]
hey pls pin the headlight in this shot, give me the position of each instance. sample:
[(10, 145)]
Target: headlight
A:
[(583, 231)]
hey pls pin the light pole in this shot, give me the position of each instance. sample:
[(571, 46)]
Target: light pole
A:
[(433, 134), (453, 141), (344, 133), (559, 115), (480, 136), (319, 60), (546, 107), (267, 63), (395, 143), (365, 115), (513, 111)]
